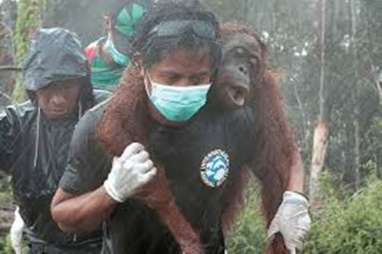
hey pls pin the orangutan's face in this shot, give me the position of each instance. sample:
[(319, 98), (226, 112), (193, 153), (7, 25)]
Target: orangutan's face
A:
[(182, 68)]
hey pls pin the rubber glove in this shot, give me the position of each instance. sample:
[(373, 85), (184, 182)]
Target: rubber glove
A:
[(129, 172), (292, 220)]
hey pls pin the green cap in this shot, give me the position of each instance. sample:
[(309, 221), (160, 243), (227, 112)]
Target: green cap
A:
[(127, 18)]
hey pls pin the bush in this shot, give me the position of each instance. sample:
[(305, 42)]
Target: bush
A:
[(5, 245), (248, 236), (346, 224), (353, 225)]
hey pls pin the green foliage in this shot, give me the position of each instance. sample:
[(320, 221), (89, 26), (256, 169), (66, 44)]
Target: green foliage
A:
[(248, 236), (5, 245), (5, 201), (352, 225), (343, 224), (28, 20), (6, 197), (5, 190)]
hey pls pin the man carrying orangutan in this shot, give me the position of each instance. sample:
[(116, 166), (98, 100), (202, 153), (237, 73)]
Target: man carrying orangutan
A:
[(166, 164)]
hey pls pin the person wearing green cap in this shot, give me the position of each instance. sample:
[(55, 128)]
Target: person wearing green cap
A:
[(110, 55)]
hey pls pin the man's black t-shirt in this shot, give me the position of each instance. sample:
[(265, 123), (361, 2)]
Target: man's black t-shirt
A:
[(88, 163), (201, 162)]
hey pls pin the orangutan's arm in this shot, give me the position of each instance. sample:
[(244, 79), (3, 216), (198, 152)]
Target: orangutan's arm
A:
[(81, 213), (187, 238), (296, 176), (157, 195)]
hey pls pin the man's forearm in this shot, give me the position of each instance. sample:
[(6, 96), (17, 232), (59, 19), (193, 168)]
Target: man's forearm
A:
[(81, 213)]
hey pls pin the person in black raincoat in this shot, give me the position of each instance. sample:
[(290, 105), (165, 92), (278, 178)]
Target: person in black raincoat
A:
[(35, 136)]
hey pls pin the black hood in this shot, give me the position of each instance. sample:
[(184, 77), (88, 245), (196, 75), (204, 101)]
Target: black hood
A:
[(54, 54)]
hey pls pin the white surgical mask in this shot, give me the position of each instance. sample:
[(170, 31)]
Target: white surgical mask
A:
[(175, 103)]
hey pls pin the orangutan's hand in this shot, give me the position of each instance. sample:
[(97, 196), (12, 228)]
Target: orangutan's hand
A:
[(292, 220)]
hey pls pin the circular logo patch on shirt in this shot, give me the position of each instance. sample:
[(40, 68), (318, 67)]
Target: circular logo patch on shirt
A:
[(215, 168)]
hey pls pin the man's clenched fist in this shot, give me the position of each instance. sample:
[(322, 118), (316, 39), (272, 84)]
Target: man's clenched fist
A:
[(129, 172)]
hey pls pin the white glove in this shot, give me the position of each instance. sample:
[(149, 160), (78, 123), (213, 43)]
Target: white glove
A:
[(292, 220), (129, 172)]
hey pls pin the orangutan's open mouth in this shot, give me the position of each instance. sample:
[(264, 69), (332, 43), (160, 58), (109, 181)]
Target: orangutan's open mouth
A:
[(237, 93)]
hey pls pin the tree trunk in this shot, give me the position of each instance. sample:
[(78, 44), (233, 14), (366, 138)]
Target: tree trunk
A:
[(321, 132), (304, 130), (378, 85), (320, 145), (8, 10), (357, 159), (356, 111), (7, 58)]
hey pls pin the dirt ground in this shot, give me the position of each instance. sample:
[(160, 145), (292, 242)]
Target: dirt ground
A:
[(7, 206), (6, 218)]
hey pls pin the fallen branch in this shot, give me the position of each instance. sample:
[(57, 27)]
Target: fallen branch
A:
[(10, 68), (5, 96)]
